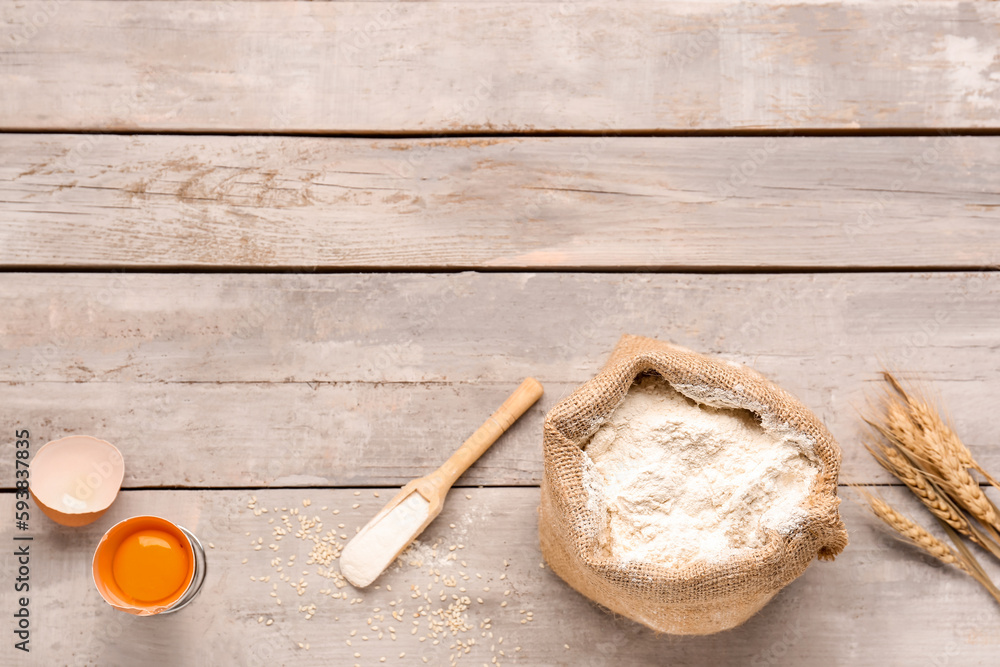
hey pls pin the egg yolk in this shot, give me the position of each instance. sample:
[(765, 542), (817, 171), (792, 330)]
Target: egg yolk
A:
[(150, 565)]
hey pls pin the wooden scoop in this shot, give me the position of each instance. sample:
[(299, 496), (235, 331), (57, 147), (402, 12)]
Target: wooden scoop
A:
[(419, 502)]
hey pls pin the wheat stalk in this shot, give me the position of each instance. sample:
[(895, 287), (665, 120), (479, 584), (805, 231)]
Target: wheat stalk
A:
[(913, 532), (914, 443), (935, 499), (915, 428)]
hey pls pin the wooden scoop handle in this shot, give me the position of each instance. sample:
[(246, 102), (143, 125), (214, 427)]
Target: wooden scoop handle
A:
[(477, 444)]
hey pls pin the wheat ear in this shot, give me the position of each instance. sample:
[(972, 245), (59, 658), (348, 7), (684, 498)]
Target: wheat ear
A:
[(929, 420), (897, 464), (913, 532), (955, 478), (937, 457)]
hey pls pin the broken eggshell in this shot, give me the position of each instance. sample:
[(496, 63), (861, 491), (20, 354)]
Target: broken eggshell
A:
[(75, 479)]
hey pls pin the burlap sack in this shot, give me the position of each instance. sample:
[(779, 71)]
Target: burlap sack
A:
[(697, 598)]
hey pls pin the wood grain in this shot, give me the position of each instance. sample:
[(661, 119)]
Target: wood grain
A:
[(879, 603), (498, 67), (613, 202), (399, 369)]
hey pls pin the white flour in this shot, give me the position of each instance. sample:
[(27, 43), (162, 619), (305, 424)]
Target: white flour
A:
[(675, 481)]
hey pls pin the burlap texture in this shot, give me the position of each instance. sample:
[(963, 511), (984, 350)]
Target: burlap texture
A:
[(697, 598)]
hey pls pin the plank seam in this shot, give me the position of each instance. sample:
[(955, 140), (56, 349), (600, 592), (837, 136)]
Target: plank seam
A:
[(776, 269), (842, 485), (526, 134)]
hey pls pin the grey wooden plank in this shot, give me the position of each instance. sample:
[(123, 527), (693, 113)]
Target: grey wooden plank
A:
[(487, 67), (246, 361), (879, 603), (350, 434), (566, 202), (227, 434)]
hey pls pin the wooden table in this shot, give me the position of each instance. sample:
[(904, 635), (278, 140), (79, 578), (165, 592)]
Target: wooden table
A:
[(288, 255)]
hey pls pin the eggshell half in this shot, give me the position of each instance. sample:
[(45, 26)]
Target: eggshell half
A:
[(75, 479)]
